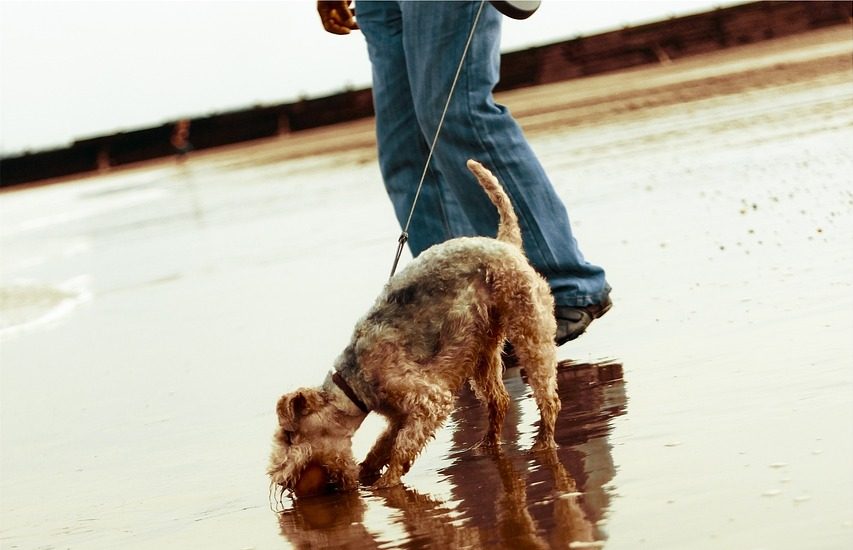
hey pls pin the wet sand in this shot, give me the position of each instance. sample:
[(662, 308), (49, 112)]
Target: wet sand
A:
[(150, 318)]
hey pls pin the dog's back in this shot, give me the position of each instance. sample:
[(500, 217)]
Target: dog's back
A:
[(508, 229)]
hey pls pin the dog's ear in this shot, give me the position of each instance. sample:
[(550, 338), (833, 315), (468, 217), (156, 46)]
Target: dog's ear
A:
[(285, 409), (295, 405)]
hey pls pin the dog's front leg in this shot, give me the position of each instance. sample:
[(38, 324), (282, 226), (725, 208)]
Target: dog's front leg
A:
[(380, 453), (411, 438)]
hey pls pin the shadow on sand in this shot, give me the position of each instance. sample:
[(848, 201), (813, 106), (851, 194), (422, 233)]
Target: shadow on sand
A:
[(513, 498)]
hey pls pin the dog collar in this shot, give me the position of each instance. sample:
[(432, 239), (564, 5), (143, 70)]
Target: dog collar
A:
[(342, 384)]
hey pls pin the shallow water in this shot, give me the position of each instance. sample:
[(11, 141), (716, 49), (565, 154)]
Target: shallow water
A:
[(512, 498), (152, 316)]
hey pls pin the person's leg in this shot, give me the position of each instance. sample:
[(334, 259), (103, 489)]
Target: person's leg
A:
[(434, 36), (402, 148)]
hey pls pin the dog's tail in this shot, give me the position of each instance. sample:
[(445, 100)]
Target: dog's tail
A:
[(508, 229)]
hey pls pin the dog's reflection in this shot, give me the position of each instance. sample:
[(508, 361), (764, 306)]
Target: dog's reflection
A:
[(334, 521), (505, 499)]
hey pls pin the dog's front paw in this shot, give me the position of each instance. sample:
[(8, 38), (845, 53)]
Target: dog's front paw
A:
[(387, 481), (367, 475)]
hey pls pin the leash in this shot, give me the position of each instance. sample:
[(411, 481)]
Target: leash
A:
[(404, 236)]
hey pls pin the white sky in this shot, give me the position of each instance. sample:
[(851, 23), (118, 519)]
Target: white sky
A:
[(71, 69)]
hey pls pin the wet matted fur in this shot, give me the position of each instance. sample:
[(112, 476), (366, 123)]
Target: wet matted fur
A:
[(440, 322)]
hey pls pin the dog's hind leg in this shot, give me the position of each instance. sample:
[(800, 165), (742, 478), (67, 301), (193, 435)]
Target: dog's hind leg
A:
[(489, 388), (541, 375), (531, 331)]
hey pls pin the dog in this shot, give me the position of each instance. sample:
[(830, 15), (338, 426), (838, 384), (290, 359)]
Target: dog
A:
[(440, 322)]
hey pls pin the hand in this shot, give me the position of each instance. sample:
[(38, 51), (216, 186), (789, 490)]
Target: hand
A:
[(337, 16)]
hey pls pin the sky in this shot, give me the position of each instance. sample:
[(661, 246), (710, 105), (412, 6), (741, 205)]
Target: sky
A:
[(72, 69)]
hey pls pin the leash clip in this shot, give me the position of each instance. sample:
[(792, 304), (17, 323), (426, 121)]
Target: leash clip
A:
[(401, 242)]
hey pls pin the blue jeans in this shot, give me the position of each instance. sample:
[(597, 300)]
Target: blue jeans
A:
[(414, 49)]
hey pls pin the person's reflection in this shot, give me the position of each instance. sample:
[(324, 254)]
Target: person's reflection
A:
[(509, 498)]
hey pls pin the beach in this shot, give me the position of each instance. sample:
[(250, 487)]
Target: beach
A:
[(151, 316)]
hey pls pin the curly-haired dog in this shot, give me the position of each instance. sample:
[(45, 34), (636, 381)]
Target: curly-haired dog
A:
[(441, 321)]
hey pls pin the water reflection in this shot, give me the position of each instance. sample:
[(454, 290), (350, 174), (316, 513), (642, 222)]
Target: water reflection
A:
[(335, 521), (507, 499)]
